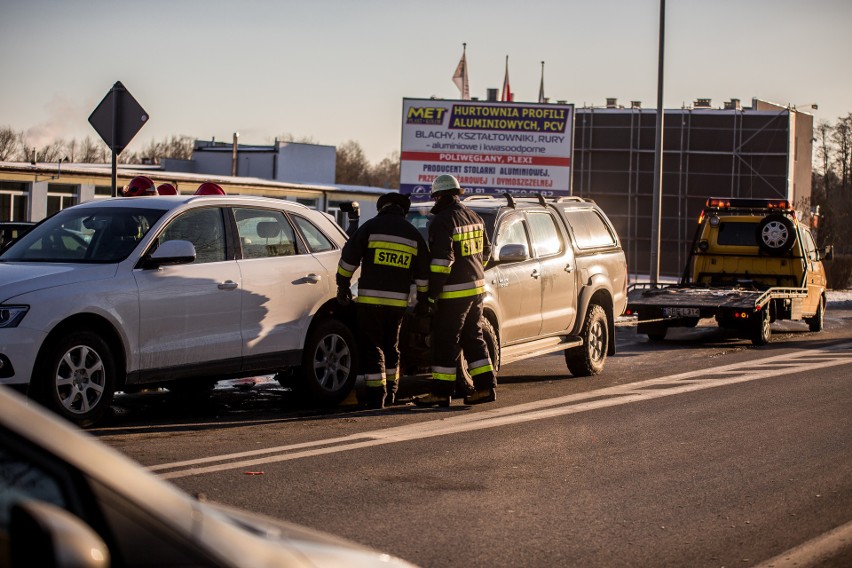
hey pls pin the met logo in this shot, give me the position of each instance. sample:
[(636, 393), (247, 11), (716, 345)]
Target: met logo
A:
[(392, 258), (425, 115)]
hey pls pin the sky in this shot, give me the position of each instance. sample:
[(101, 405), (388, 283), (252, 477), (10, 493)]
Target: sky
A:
[(338, 70)]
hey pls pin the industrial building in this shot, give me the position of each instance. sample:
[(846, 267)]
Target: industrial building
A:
[(294, 171), (759, 151)]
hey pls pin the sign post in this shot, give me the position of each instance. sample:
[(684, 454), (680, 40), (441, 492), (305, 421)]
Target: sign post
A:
[(117, 119)]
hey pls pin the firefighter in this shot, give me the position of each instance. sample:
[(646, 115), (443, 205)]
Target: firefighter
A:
[(459, 249), (392, 254)]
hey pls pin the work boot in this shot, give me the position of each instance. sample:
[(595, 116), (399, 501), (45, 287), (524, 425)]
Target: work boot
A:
[(432, 400), (482, 396), (375, 398), (390, 397)]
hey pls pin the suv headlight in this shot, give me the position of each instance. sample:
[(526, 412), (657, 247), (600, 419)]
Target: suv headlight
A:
[(11, 316)]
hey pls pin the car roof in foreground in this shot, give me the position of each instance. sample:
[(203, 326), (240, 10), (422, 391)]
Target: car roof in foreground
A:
[(269, 540)]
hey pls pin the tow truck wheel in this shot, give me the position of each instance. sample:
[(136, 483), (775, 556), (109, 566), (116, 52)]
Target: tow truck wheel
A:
[(776, 234), (816, 323), (588, 359), (761, 331)]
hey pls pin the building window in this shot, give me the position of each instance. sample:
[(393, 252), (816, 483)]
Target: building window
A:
[(14, 201), (60, 196), (313, 203), (103, 191)]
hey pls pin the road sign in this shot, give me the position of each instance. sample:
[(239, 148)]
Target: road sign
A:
[(118, 118)]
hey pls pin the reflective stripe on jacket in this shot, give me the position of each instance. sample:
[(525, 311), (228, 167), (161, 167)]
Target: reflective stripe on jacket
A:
[(392, 255), (458, 246)]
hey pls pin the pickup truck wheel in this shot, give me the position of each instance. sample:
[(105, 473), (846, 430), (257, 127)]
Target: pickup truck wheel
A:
[(816, 323), (75, 377), (328, 364), (776, 234), (761, 331), (588, 359)]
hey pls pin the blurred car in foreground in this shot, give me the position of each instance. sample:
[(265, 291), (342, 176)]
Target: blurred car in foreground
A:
[(176, 291), (66, 499)]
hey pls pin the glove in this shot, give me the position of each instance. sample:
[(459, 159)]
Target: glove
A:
[(344, 296), (425, 305)]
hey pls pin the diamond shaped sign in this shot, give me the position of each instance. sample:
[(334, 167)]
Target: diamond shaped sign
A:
[(118, 118)]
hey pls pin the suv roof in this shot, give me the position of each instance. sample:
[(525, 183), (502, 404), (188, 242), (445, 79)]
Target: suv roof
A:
[(526, 202)]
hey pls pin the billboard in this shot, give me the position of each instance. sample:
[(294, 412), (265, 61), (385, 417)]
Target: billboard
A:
[(490, 147)]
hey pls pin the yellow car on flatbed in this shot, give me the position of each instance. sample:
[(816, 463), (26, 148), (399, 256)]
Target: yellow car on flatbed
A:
[(752, 262)]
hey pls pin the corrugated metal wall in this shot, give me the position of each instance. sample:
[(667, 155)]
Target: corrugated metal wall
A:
[(707, 152)]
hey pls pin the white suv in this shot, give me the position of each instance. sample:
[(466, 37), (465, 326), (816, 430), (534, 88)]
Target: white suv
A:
[(182, 291)]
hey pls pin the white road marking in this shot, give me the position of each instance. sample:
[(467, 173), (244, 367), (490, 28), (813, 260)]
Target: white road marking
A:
[(785, 364), (815, 552)]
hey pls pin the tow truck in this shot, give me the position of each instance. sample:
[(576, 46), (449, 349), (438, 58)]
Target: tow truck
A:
[(751, 262)]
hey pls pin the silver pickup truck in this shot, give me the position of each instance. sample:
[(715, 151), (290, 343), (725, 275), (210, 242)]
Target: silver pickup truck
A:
[(556, 281)]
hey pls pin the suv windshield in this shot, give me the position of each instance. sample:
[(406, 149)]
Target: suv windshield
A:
[(87, 235), (419, 216)]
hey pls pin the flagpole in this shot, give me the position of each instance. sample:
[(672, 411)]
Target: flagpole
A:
[(464, 69), (541, 89)]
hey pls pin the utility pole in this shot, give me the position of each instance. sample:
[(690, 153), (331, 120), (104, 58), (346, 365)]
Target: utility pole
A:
[(657, 200)]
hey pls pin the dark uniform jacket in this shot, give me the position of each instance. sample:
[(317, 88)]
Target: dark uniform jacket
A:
[(459, 247), (392, 254)]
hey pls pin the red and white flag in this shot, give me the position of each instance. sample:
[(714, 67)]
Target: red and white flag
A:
[(506, 95), (460, 76)]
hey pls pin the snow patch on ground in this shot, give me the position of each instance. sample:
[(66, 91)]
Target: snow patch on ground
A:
[(839, 299)]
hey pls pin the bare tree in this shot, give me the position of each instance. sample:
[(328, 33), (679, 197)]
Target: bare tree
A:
[(842, 138), (352, 165), (9, 144), (91, 152), (287, 137), (386, 173)]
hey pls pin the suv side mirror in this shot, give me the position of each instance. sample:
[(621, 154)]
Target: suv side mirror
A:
[(170, 252), (512, 253), (827, 253)]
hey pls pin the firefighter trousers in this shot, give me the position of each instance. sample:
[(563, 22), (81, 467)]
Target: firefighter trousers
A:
[(378, 344), (456, 329)]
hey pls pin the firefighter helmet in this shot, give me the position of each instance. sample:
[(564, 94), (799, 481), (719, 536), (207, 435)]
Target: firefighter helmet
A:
[(139, 186), (167, 189), (446, 183), (209, 188), (394, 198)]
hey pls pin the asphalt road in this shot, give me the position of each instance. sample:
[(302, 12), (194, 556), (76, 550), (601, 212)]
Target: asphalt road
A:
[(699, 451)]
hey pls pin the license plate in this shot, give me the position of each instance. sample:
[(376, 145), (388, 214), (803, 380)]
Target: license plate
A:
[(681, 312)]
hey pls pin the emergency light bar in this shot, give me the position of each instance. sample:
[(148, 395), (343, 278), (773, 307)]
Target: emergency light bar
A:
[(737, 202)]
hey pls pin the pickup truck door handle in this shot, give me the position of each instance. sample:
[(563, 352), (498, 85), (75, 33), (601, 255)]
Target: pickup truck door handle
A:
[(313, 278), (569, 268), (228, 285), (535, 273)]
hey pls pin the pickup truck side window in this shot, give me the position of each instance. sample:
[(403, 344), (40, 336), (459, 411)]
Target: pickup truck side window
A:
[(547, 240), (590, 230), (512, 232)]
